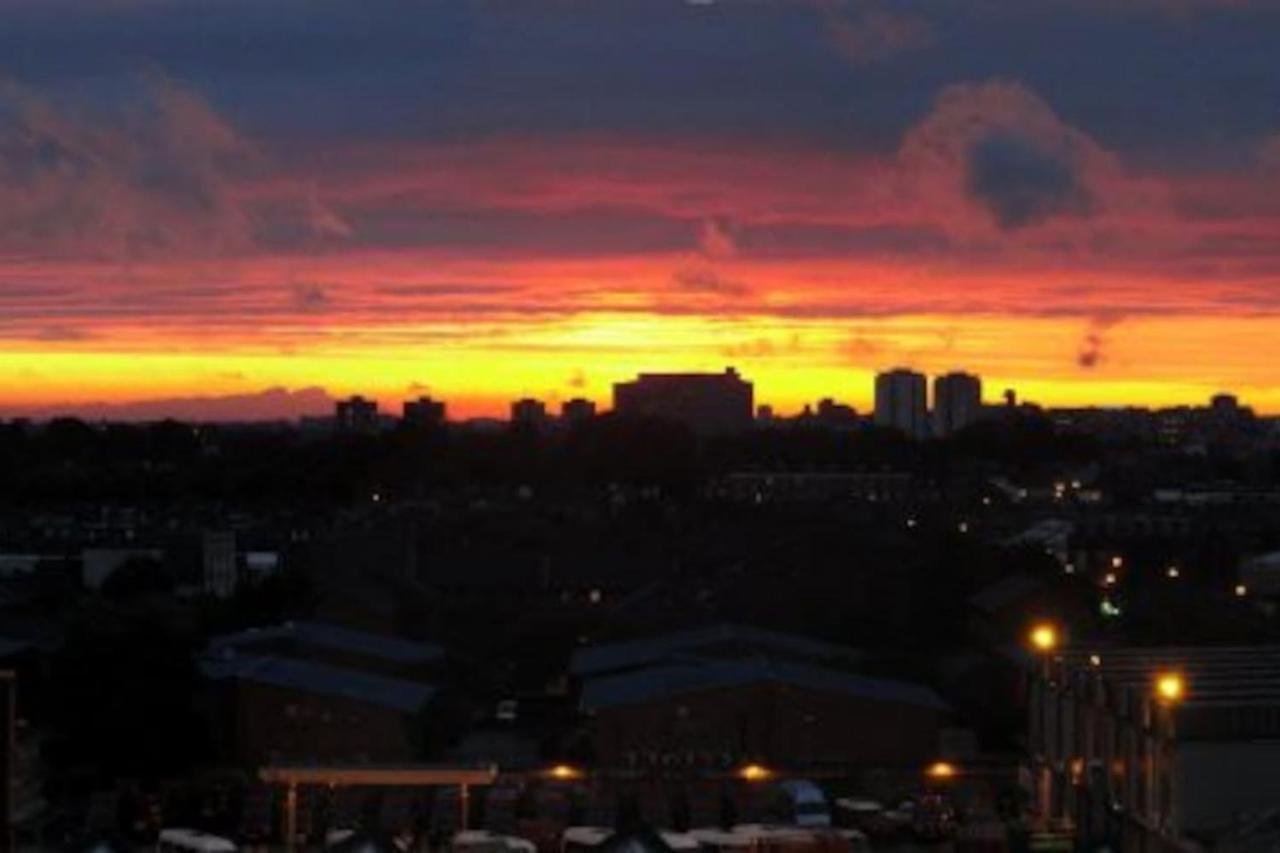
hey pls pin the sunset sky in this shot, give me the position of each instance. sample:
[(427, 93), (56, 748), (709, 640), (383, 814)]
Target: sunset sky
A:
[(272, 202)]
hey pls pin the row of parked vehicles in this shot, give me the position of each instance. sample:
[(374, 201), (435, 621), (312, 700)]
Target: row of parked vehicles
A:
[(801, 819), (756, 838), (929, 818)]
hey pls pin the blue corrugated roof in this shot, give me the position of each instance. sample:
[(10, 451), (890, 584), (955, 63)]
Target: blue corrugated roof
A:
[(325, 635), (618, 656), (691, 676), (322, 679)]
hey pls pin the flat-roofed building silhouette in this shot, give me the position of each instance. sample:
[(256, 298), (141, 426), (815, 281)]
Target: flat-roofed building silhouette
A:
[(957, 402), (528, 412), (424, 412), (901, 402), (707, 403), (577, 411), (356, 414)]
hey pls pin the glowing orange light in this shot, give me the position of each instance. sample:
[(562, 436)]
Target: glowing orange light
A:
[(564, 772), (754, 773), (1044, 638), (941, 770), (1170, 687)]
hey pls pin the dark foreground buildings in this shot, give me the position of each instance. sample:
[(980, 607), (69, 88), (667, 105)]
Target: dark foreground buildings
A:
[(721, 696), (313, 691), (1159, 748)]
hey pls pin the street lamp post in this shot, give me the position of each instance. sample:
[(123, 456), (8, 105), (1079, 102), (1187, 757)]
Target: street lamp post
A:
[(1170, 690), (1044, 639)]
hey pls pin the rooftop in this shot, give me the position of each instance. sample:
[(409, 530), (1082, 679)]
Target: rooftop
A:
[(329, 636), (1215, 675), (1232, 692), (309, 677), (692, 675), (614, 657)]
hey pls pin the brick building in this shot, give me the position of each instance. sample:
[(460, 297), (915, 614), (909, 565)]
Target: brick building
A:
[(310, 691), (719, 697)]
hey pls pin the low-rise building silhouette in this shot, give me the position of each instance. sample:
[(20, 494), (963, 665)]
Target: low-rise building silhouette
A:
[(707, 403)]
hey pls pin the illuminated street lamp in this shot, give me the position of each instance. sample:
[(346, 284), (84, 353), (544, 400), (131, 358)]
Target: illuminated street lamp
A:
[(941, 771), (1241, 590), (1044, 637), (1170, 687), (564, 773), (754, 773), (1172, 572)]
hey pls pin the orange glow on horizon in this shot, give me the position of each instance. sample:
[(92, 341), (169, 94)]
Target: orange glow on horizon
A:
[(808, 268), (791, 361)]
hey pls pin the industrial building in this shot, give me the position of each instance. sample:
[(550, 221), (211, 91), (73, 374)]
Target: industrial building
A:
[(311, 691), (718, 697)]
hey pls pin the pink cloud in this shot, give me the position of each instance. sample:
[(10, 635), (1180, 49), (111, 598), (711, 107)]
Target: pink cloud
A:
[(161, 175), (998, 150)]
